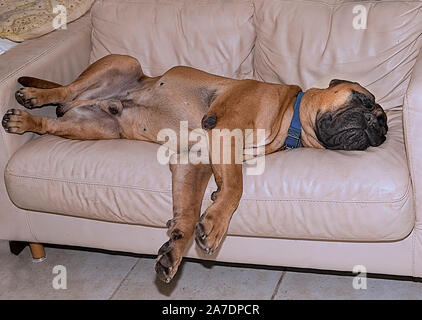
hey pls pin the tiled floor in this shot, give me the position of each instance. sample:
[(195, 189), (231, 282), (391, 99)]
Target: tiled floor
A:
[(107, 275)]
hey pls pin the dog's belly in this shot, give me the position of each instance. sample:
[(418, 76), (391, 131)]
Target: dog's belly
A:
[(144, 122), (178, 100), (167, 101)]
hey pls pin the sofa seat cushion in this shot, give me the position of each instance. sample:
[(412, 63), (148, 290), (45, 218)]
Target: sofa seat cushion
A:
[(302, 194)]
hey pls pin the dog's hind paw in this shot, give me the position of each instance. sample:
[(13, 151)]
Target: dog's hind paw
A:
[(17, 121), (25, 98), (32, 97)]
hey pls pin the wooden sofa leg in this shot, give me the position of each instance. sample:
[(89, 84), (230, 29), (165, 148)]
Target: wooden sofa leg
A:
[(16, 247), (37, 251)]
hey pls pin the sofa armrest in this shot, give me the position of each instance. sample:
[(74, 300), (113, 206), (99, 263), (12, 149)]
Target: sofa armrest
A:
[(59, 56), (412, 119)]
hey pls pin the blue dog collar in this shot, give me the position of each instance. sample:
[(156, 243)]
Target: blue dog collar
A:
[(293, 134)]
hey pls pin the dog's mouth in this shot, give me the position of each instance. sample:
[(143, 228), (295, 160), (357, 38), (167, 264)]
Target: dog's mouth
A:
[(351, 129)]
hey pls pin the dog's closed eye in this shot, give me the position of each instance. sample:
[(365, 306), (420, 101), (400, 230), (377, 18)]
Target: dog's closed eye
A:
[(361, 99)]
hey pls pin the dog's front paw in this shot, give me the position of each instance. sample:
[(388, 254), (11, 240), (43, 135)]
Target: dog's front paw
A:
[(17, 121), (209, 232), (167, 262)]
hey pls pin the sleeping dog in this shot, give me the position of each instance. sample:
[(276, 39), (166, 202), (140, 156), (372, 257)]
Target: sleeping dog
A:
[(114, 99)]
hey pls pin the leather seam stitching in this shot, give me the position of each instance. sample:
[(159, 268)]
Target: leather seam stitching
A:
[(87, 183), (32, 60), (404, 197)]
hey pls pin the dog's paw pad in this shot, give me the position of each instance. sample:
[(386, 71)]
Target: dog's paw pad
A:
[(176, 234), (214, 196)]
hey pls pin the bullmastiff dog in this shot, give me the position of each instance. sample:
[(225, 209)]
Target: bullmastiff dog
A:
[(114, 99)]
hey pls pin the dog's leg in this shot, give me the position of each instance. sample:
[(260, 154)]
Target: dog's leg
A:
[(214, 222), (82, 123), (108, 77), (188, 186)]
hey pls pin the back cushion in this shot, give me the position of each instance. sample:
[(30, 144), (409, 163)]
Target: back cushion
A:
[(308, 43), (216, 36)]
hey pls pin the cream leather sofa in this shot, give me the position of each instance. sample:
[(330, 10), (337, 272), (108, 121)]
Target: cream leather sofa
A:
[(310, 208)]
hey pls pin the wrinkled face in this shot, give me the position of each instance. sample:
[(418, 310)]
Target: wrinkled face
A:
[(351, 120)]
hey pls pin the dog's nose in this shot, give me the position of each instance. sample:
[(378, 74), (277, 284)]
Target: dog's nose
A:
[(378, 141), (382, 121)]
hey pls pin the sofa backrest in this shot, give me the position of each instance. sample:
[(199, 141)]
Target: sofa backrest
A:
[(216, 36), (303, 42), (310, 42)]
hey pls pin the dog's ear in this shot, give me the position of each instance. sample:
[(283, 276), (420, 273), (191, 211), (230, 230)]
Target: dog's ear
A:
[(335, 82)]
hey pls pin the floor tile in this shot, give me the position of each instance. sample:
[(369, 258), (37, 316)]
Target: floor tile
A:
[(304, 285), (103, 275), (199, 280), (90, 275)]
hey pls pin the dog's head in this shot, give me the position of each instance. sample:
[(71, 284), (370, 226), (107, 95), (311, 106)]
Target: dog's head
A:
[(347, 117)]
